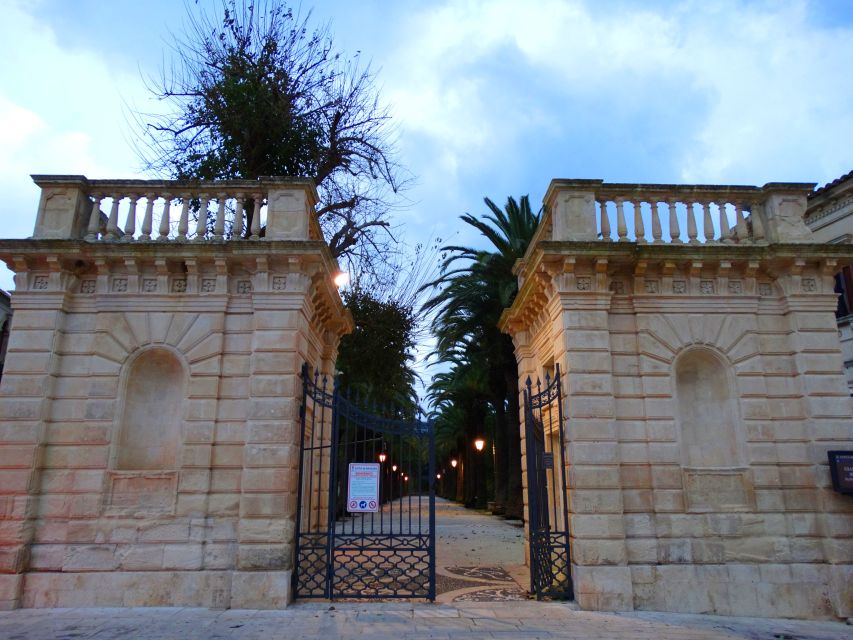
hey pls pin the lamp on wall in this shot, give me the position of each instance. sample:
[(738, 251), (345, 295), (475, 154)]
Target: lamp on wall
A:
[(341, 279)]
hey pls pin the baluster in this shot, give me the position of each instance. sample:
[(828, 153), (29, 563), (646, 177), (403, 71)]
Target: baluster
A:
[(674, 231), (148, 217), (757, 226), (691, 223), (621, 227), (239, 212), (657, 232), (112, 221), (163, 231), (726, 230), (184, 221), (256, 218), (605, 221), (219, 225), (639, 228), (740, 223), (707, 222), (94, 219), (201, 223), (130, 222)]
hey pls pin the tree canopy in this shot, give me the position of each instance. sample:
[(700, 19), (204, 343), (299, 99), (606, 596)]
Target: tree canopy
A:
[(479, 393), (253, 90), (375, 360)]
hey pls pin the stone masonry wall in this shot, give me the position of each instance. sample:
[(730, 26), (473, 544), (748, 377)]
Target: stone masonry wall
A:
[(764, 534), (703, 387), (197, 506)]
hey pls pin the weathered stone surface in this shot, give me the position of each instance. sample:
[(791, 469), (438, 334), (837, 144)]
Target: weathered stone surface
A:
[(149, 406), (702, 386)]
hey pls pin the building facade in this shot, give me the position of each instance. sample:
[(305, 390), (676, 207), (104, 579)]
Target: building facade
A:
[(702, 376), (151, 393), (830, 217)]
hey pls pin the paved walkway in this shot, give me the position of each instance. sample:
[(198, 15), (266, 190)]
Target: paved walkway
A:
[(479, 557), (375, 621)]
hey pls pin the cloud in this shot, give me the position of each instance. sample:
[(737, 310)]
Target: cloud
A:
[(61, 111), (763, 85)]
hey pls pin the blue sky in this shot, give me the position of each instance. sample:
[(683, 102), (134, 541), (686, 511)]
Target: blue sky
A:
[(491, 98)]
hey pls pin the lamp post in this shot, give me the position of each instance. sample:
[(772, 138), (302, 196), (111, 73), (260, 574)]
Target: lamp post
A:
[(383, 489), (479, 444), (455, 485)]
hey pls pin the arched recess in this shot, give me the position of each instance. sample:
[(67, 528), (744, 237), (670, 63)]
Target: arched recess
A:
[(154, 383), (708, 413), (716, 477)]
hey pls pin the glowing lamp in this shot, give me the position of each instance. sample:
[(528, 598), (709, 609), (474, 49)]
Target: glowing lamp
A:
[(479, 443), (454, 462), (406, 478), (341, 279), (382, 457), (438, 476), (393, 467)]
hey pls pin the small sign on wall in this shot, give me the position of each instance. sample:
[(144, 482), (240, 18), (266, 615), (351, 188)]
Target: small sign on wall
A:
[(841, 470), (363, 487)]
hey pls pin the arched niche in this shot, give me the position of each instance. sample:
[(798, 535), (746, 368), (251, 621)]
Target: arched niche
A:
[(707, 410), (149, 434), (715, 475)]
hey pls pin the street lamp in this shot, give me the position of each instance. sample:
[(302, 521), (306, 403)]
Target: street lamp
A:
[(394, 468), (479, 444), (454, 462), (382, 457)]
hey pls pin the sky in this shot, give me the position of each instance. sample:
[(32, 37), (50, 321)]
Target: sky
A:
[(489, 98)]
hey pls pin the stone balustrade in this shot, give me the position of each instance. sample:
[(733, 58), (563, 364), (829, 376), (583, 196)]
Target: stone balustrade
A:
[(175, 211), (584, 210)]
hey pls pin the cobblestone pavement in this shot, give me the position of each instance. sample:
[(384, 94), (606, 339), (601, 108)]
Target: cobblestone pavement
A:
[(400, 621)]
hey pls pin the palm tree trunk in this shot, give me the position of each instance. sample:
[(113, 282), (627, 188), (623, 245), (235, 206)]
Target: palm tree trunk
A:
[(514, 499), (501, 458)]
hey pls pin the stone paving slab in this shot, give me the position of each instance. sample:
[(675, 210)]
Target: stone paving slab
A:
[(400, 621)]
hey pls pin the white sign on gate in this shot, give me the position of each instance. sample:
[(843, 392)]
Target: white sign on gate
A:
[(363, 487)]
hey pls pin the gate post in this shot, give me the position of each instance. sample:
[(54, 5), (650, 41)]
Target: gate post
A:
[(149, 406), (286, 334), (600, 569), (526, 369)]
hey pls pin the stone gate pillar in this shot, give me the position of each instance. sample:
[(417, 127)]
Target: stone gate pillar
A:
[(150, 402), (703, 386)]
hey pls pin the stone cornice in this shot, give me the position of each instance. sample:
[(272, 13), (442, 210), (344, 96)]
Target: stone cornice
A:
[(50, 272), (581, 266)]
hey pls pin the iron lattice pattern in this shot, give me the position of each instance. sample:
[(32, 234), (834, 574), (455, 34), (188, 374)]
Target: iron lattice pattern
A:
[(312, 562), (382, 566), (550, 572)]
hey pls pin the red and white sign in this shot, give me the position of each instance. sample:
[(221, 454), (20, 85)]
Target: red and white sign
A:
[(363, 487)]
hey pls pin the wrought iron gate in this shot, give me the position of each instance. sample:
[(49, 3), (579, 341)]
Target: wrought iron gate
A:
[(550, 571), (386, 554)]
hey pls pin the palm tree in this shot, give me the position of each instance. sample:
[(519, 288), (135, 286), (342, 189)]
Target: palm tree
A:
[(470, 294)]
